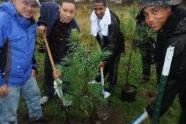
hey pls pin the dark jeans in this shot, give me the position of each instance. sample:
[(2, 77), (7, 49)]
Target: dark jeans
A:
[(146, 65), (147, 56), (48, 78), (172, 89)]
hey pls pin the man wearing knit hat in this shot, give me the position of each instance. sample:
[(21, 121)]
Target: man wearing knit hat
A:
[(168, 19)]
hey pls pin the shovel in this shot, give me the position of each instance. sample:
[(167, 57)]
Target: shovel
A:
[(57, 82), (105, 93), (161, 88)]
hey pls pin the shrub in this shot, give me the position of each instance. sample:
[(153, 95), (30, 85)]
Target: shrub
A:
[(83, 64)]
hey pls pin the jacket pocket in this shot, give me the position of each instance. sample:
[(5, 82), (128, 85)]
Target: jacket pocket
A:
[(17, 71)]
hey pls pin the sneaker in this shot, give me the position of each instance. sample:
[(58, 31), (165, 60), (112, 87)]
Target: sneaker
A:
[(107, 94), (43, 99), (39, 120)]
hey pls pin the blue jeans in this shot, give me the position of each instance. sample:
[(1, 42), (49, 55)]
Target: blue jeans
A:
[(9, 103)]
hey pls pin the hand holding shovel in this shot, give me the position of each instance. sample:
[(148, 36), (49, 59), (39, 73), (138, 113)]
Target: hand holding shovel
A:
[(56, 74), (105, 93), (161, 88)]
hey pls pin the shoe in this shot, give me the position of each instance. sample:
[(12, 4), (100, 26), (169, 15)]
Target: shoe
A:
[(106, 94), (39, 120), (43, 100)]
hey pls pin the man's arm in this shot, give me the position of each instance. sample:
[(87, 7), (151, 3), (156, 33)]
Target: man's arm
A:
[(43, 15), (34, 66), (47, 12), (3, 38), (113, 46), (42, 22)]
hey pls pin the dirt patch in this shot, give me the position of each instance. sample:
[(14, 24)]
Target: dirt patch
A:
[(108, 115), (54, 114), (104, 115), (149, 95)]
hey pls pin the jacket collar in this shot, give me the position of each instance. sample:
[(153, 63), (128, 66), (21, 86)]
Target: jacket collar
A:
[(174, 19)]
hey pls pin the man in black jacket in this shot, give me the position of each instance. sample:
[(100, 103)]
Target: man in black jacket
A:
[(57, 21), (105, 26), (168, 19)]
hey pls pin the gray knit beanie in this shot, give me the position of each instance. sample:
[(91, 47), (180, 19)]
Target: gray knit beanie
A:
[(146, 3)]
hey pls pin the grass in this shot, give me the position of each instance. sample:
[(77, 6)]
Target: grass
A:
[(53, 109)]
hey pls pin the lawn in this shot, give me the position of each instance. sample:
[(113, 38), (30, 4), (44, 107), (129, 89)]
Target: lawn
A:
[(123, 112)]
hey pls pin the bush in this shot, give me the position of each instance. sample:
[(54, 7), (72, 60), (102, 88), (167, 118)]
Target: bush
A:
[(83, 62)]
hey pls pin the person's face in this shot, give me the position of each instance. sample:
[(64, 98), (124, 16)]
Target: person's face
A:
[(99, 9), (156, 16), (26, 8), (67, 12)]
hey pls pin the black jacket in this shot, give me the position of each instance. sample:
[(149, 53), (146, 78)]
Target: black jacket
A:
[(49, 15), (114, 42), (173, 33)]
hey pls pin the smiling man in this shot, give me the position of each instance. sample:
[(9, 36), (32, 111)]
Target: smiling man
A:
[(56, 21), (168, 19), (17, 64)]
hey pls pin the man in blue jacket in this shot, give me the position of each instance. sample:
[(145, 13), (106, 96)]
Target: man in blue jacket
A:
[(57, 21), (17, 68)]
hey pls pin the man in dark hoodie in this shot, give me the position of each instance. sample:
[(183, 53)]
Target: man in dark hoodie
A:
[(57, 21), (168, 19), (105, 26)]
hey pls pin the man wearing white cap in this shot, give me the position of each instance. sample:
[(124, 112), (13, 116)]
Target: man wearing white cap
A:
[(17, 64)]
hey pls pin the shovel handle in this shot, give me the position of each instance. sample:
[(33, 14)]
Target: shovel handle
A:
[(49, 53), (141, 118), (102, 79)]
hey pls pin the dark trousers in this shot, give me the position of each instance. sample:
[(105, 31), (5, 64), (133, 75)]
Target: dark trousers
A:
[(147, 56), (172, 89), (146, 65), (111, 70), (48, 78)]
